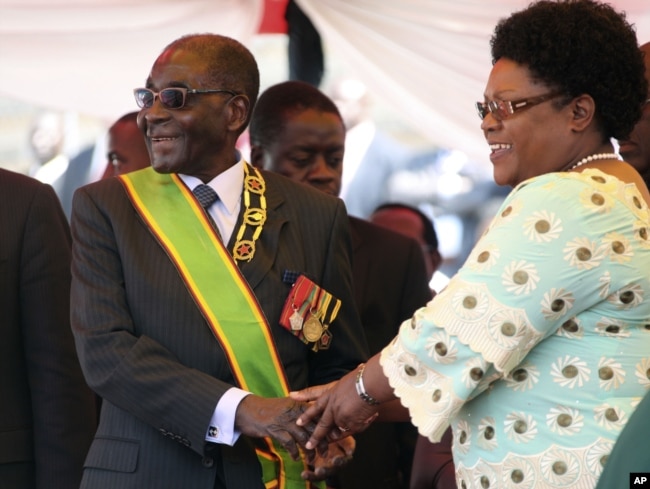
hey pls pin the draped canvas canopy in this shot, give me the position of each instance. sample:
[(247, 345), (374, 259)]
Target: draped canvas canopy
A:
[(428, 59)]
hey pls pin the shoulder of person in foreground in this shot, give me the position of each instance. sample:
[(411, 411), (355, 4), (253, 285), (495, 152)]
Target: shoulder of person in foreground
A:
[(64, 415)]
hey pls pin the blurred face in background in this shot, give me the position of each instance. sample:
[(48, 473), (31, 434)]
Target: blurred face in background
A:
[(126, 150), (636, 148), (309, 149)]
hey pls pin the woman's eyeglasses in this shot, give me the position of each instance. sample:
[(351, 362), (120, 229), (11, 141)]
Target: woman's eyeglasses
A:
[(502, 109), (171, 98)]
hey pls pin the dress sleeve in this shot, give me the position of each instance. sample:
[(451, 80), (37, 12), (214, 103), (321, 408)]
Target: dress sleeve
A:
[(557, 247)]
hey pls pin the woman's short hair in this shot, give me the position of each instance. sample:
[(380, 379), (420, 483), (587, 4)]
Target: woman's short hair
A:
[(579, 47)]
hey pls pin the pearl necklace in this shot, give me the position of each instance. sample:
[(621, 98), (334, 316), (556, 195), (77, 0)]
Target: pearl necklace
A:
[(599, 156)]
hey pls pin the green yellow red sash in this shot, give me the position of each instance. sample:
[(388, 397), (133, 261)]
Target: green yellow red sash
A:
[(183, 229)]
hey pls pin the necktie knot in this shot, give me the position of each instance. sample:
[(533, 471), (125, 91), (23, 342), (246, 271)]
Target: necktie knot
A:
[(205, 195)]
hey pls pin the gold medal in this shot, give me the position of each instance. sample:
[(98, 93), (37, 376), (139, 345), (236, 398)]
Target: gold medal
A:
[(312, 329)]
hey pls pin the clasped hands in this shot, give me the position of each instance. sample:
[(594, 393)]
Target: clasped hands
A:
[(316, 421)]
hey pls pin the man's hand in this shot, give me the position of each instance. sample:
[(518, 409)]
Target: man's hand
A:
[(259, 417), (328, 462)]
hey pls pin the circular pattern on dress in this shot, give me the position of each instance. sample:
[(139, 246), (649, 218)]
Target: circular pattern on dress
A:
[(469, 303), (409, 370), (596, 457), (583, 254), (507, 328), (611, 417), (618, 247), (612, 327), (597, 199), (485, 476), (560, 467), (605, 373), (486, 436), (642, 372), (564, 420), (570, 326), (476, 374), (629, 296), (520, 427), (441, 348), (570, 372), (542, 226), (518, 473), (611, 373), (520, 277), (462, 437), (523, 378)]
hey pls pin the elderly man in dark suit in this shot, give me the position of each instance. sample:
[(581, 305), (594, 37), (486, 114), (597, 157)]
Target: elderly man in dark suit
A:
[(297, 131), (47, 412), (185, 317)]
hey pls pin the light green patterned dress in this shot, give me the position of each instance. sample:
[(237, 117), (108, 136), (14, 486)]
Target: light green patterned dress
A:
[(538, 350)]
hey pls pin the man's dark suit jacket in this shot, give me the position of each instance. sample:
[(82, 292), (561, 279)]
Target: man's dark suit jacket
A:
[(390, 284), (148, 352), (47, 412)]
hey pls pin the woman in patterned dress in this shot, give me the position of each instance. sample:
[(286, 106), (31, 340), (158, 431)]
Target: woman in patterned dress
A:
[(538, 350)]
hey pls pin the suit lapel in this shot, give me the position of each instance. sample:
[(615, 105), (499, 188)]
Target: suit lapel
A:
[(360, 261)]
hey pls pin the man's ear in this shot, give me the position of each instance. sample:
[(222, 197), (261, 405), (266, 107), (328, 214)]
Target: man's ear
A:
[(583, 110), (257, 157), (239, 106)]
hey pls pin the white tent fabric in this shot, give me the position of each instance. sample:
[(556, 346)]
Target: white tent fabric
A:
[(428, 59), (88, 55)]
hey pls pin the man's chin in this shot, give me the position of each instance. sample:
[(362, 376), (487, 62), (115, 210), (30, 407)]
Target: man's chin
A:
[(162, 167)]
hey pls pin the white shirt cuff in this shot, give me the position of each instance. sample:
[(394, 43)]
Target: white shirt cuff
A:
[(222, 425)]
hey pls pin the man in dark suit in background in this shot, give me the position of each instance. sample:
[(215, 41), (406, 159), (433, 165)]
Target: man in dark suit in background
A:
[(178, 299), (297, 131), (433, 464), (47, 412)]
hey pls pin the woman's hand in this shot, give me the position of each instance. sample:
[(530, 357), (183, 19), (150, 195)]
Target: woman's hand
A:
[(336, 409)]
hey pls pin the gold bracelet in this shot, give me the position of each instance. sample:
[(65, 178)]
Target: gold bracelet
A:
[(361, 389)]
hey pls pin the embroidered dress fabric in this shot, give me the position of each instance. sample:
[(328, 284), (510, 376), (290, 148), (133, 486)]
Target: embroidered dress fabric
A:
[(538, 350)]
